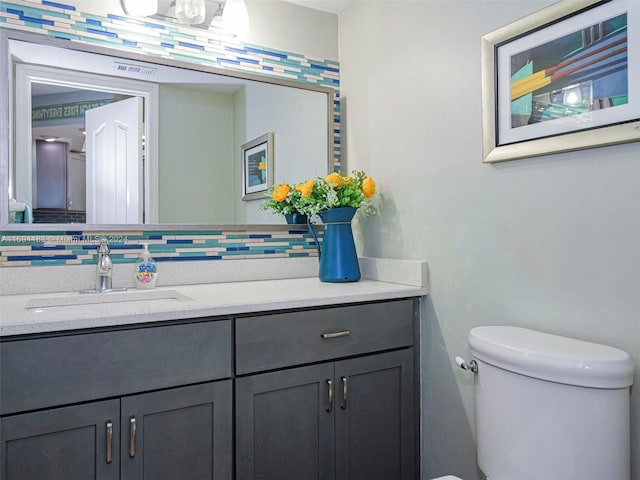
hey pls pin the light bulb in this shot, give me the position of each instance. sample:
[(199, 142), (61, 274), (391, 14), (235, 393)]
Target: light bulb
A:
[(235, 18), (191, 12)]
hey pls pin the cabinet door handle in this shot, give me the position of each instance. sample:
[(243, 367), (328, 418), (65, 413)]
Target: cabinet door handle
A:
[(344, 393), (109, 441), (330, 387), (344, 333), (132, 437)]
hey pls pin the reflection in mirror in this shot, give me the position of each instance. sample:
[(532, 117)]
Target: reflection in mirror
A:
[(174, 160)]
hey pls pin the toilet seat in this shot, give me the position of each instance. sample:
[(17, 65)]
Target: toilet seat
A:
[(448, 477)]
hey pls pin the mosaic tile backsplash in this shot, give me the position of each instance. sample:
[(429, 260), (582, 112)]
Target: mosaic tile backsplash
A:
[(57, 20), (32, 248)]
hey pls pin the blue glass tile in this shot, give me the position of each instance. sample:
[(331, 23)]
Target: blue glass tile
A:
[(167, 45), (266, 67), (182, 259), (270, 251), (91, 21), (260, 235), (265, 52), (180, 242), (124, 19), (129, 246), (58, 5), (129, 43), (323, 67), (155, 237), (228, 60), (236, 50), (102, 32), (52, 247), (248, 60), (31, 258), (190, 45)]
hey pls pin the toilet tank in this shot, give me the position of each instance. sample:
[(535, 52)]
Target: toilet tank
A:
[(550, 407)]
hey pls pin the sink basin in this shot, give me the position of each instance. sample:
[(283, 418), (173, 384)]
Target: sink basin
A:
[(113, 303)]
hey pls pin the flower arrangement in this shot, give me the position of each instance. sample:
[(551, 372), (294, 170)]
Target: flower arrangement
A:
[(314, 196)]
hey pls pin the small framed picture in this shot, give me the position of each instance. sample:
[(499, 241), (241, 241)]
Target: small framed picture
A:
[(257, 167)]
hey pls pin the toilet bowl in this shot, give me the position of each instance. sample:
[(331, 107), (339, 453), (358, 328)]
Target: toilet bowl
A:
[(548, 406)]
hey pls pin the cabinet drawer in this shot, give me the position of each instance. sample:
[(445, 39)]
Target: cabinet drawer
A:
[(58, 370), (273, 341)]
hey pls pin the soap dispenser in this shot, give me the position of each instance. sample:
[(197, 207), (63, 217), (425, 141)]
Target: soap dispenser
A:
[(146, 271)]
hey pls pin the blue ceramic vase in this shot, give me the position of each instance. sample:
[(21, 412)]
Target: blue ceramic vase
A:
[(338, 257), (295, 218)]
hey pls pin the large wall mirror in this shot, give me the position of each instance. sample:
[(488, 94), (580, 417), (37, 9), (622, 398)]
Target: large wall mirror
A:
[(100, 138)]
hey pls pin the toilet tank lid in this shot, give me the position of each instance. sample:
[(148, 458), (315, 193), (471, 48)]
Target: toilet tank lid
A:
[(552, 357)]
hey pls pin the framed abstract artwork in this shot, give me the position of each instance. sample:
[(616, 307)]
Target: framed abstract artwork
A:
[(562, 79), (257, 167)]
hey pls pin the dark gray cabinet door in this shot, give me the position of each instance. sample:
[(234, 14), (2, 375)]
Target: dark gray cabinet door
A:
[(374, 417), (284, 425), (181, 433), (289, 427), (70, 443)]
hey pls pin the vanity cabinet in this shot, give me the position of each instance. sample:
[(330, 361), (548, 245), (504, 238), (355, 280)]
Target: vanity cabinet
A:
[(325, 393), (133, 403), (69, 442), (346, 413), (175, 433)]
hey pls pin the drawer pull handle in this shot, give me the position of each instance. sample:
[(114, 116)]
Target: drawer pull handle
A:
[(344, 333), (344, 393), (330, 387), (132, 437), (109, 441)]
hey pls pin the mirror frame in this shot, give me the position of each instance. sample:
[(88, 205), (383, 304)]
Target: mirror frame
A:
[(7, 136)]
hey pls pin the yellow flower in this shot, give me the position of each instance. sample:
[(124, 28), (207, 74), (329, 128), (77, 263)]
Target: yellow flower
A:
[(347, 181), (280, 192), (334, 178), (368, 187), (305, 188)]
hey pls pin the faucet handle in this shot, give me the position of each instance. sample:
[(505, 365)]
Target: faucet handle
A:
[(104, 245)]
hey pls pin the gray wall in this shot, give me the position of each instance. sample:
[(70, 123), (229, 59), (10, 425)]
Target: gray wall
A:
[(195, 157), (550, 243)]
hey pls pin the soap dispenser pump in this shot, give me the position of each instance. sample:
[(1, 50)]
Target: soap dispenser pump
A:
[(146, 271)]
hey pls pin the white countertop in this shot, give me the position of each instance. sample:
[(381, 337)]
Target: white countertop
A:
[(202, 300)]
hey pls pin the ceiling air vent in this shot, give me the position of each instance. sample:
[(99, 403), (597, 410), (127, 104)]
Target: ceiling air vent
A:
[(134, 69)]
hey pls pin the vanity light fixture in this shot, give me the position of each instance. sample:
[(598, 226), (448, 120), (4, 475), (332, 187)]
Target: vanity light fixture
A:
[(228, 16), (191, 12), (235, 17), (139, 8)]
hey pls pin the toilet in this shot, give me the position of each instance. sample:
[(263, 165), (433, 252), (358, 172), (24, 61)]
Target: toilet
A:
[(549, 407)]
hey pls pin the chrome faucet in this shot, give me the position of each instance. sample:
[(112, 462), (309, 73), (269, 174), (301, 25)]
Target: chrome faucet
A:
[(105, 266), (104, 271)]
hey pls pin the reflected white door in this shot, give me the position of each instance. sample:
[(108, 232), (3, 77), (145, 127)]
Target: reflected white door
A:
[(114, 162), (76, 182)]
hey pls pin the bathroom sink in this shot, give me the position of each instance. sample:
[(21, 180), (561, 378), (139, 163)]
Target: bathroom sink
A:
[(114, 303)]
